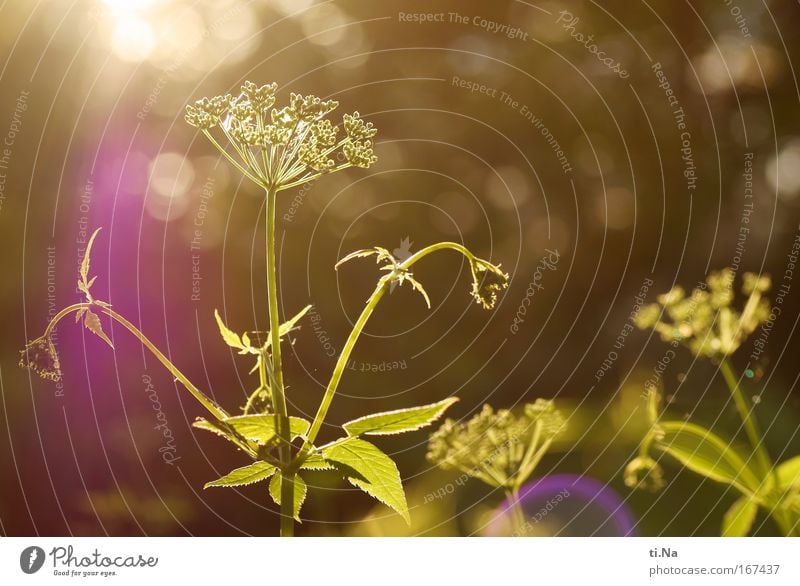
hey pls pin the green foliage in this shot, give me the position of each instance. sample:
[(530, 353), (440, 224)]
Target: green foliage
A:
[(246, 475), (224, 430), (278, 148), (90, 319), (262, 429), (739, 518), (706, 322), (300, 491), (243, 343), (369, 469), (399, 420), (704, 452), (398, 271)]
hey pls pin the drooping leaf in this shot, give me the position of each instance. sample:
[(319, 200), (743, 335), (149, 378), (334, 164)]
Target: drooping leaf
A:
[(246, 475), (369, 469), (704, 452), (92, 323), (418, 287), (230, 337), (739, 518), (300, 491), (263, 428), (789, 472), (399, 420)]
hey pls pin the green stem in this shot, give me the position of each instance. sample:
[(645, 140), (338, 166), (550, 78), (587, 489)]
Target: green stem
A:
[(341, 364), (517, 515), (344, 357), (217, 411), (278, 394), (749, 422), (527, 465), (756, 440)]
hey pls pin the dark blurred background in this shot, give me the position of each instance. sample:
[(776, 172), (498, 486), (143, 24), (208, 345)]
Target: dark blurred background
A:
[(559, 154)]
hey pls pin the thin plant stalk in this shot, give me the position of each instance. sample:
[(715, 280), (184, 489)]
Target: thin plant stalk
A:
[(344, 357), (756, 440), (201, 397), (518, 523), (749, 422), (278, 394)]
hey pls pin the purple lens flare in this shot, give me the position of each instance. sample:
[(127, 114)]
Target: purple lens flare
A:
[(565, 505)]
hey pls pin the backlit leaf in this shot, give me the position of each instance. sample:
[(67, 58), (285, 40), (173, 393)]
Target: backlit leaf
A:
[(789, 472), (369, 469), (382, 254), (316, 462), (92, 323), (739, 518), (86, 255), (263, 428), (246, 475), (230, 337), (288, 326), (224, 431), (398, 421), (706, 453), (300, 491)]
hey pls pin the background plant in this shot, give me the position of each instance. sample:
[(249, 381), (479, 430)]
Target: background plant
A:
[(708, 324), (500, 448), (277, 149)]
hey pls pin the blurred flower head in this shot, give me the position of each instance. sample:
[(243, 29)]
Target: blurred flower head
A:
[(705, 320), (497, 446)]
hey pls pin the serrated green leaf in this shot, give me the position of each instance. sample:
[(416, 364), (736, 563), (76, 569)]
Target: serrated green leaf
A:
[(92, 323), (369, 469), (399, 420), (263, 428), (230, 337), (86, 256), (788, 472), (221, 430), (300, 491), (215, 428), (316, 462), (739, 518), (704, 452), (418, 287), (288, 326), (382, 254), (246, 475)]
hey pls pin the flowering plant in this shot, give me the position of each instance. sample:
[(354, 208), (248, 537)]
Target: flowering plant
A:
[(500, 448), (707, 322), (278, 148)]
